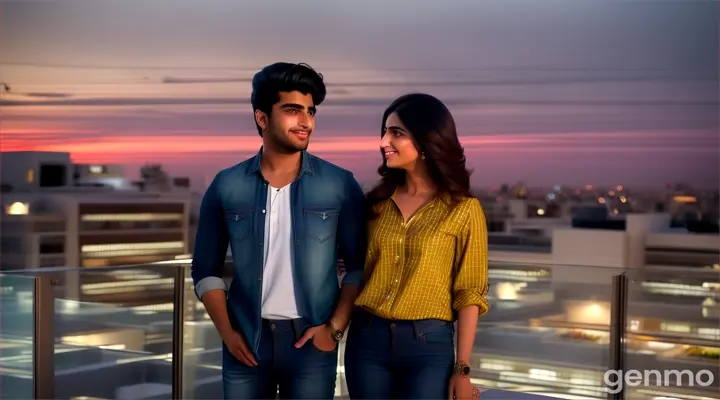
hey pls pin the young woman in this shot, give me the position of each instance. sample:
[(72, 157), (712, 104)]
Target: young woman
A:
[(426, 264)]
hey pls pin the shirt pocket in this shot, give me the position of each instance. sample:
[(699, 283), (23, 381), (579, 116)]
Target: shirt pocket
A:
[(321, 223), (239, 223)]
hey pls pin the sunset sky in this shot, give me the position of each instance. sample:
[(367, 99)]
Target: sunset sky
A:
[(547, 92)]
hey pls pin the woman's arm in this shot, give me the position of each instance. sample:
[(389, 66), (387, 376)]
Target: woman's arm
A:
[(466, 327), (471, 280)]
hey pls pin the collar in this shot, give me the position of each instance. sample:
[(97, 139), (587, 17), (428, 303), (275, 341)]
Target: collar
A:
[(441, 197), (306, 164)]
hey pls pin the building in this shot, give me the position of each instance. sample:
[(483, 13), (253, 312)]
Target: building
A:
[(58, 214)]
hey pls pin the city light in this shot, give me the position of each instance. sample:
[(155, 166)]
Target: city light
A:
[(685, 199), (18, 208)]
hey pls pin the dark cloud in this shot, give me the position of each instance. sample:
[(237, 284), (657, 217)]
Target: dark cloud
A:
[(368, 101), (642, 76), (49, 95), (184, 80)]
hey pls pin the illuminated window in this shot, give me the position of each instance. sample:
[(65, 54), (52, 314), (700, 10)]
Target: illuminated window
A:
[(710, 333), (542, 374), (132, 246), (30, 175), (132, 249), (132, 217), (94, 262), (670, 327), (133, 286)]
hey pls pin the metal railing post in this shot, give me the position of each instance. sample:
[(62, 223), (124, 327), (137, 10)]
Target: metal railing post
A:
[(178, 336), (618, 320), (44, 338)]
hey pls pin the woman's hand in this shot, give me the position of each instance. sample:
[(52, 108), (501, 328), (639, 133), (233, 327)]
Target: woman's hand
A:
[(462, 389)]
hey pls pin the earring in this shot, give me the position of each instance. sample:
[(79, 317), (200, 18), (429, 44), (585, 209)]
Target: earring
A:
[(422, 155)]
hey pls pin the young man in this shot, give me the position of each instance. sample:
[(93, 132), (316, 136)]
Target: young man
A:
[(288, 216)]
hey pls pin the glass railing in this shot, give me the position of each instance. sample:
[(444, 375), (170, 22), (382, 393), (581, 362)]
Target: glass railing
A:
[(17, 333), (139, 332), (115, 323), (92, 333), (547, 332), (672, 334)]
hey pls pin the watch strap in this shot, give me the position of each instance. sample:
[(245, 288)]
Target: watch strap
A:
[(336, 333)]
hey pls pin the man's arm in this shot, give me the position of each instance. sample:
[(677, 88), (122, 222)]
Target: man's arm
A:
[(211, 245), (352, 241)]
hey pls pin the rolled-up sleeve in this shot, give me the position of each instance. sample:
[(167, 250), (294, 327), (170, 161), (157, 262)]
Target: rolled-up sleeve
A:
[(211, 243), (352, 233), (470, 285)]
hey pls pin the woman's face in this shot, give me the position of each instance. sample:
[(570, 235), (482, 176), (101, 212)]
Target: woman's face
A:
[(397, 145)]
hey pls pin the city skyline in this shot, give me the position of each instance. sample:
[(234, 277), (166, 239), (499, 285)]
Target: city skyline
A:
[(553, 93)]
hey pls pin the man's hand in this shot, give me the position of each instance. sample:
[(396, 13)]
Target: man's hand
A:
[(321, 338), (239, 349), (340, 267)]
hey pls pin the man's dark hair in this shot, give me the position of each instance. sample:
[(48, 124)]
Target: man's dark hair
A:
[(285, 77)]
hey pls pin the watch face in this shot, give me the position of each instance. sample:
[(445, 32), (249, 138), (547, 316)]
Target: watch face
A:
[(337, 335), (462, 370)]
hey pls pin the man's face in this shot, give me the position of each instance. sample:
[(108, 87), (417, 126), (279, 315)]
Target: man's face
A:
[(290, 123)]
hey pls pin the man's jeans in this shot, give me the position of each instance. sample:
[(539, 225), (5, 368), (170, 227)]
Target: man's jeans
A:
[(304, 373), (398, 359)]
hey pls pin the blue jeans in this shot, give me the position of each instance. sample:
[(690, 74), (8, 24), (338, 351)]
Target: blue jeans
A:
[(398, 359), (304, 373)]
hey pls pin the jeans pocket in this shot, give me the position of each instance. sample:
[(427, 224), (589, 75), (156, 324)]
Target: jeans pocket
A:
[(437, 333), (319, 350)]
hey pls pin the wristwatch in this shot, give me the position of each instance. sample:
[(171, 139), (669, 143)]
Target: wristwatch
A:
[(335, 334), (462, 369)]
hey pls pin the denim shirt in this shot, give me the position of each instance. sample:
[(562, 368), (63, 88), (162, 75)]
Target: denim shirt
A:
[(328, 224)]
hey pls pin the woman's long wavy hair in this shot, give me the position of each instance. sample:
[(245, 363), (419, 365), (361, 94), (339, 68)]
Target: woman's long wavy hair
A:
[(433, 130)]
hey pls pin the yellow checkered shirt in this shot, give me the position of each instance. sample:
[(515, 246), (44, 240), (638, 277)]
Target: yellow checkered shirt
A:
[(429, 267)]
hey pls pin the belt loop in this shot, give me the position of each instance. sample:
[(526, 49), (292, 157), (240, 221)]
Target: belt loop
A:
[(296, 329)]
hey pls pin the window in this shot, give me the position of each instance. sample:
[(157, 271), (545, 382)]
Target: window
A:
[(52, 175), (52, 245)]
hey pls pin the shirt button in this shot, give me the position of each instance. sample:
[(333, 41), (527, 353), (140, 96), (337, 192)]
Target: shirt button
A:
[(263, 211)]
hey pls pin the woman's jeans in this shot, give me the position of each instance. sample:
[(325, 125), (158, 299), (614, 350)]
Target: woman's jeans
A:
[(398, 359)]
